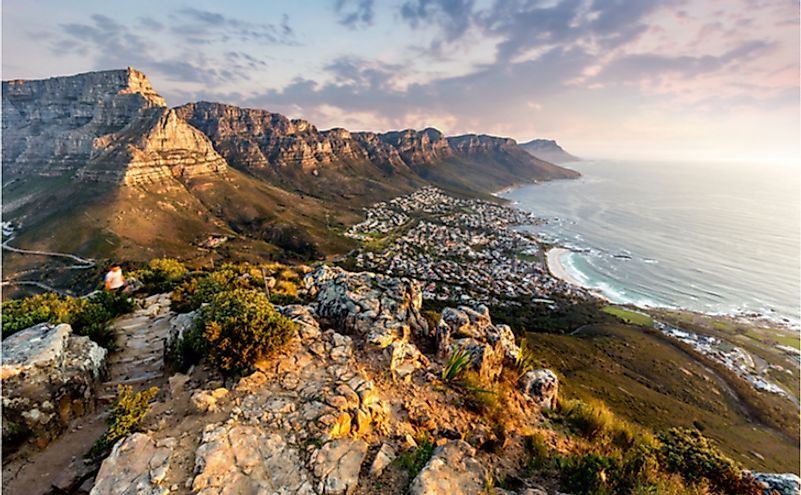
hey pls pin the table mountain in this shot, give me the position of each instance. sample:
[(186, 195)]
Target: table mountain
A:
[(97, 164)]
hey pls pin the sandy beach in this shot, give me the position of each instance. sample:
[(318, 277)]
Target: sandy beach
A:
[(555, 266)]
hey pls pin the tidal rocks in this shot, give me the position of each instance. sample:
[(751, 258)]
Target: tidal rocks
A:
[(452, 468), (48, 378), (136, 466), (471, 330), (541, 387)]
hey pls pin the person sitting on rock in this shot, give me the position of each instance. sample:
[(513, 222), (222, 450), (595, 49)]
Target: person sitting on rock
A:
[(114, 279)]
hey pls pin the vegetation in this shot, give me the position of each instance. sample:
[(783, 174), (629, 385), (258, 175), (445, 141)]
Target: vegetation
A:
[(160, 274), (127, 414), (240, 327), (415, 459), (457, 362), (87, 316), (630, 317)]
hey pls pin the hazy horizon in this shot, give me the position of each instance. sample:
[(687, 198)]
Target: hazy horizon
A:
[(684, 80)]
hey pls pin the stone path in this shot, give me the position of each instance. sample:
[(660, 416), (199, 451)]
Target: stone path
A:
[(138, 362)]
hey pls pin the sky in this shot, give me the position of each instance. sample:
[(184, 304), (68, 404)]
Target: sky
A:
[(705, 80)]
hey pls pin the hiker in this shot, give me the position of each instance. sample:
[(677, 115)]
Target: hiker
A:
[(114, 279)]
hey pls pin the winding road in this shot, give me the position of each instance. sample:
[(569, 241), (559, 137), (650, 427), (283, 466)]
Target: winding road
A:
[(82, 264)]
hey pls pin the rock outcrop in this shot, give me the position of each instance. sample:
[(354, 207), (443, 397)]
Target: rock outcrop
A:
[(385, 310), (417, 148), (452, 468), (109, 126), (137, 465), (783, 484), (471, 330), (48, 379), (541, 387)]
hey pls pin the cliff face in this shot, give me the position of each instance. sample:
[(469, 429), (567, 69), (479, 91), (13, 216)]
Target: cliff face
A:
[(258, 138), (419, 147), (548, 149), (109, 126)]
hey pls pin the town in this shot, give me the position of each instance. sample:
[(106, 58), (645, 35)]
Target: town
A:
[(461, 249)]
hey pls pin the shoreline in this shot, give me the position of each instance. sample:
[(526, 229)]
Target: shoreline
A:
[(557, 270)]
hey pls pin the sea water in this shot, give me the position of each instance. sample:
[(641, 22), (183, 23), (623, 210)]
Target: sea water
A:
[(709, 237)]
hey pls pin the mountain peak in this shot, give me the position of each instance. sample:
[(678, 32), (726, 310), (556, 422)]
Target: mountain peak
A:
[(548, 149)]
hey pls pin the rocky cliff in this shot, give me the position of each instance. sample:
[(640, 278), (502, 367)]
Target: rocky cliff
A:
[(547, 149), (108, 126)]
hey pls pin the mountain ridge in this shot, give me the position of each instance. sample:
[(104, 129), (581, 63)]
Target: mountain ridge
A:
[(101, 155), (549, 150)]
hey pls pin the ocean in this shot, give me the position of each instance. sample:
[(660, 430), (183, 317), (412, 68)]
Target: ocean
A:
[(715, 238)]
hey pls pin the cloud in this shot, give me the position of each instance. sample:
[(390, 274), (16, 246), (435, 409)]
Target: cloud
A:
[(355, 13), (205, 27), (453, 17)]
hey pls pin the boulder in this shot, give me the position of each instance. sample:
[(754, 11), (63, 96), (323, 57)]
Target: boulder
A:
[(541, 387), (383, 458), (48, 378), (308, 327), (471, 330), (452, 469), (783, 484), (137, 465), (239, 458), (180, 325), (337, 465)]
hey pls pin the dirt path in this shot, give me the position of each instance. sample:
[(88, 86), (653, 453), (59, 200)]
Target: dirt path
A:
[(139, 363)]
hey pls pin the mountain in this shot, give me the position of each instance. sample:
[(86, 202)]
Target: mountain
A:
[(547, 149), (96, 164)]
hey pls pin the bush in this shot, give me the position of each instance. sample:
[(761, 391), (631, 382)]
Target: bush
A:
[(240, 327), (88, 317), (538, 452), (595, 421), (587, 474), (687, 452), (126, 415), (196, 291), (160, 274)]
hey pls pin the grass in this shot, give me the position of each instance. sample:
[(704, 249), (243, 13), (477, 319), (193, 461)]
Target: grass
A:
[(629, 317), (415, 459), (642, 379), (457, 363)]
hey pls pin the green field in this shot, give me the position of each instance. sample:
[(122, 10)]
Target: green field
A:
[(648, 381), (629, 317)]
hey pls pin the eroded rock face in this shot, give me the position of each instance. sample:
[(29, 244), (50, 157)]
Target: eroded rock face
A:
[(784, 484), (384, 309), (451, 469), (136, 466), (471, 330), (541, 387), (247, 459), (337, 465), (48, 376), (108, 126), (179, 326)]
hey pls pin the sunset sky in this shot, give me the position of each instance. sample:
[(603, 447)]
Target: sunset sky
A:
[(639, 79)]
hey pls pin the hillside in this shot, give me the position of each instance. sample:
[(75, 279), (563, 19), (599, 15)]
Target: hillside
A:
[(95, 164), (547, 149)]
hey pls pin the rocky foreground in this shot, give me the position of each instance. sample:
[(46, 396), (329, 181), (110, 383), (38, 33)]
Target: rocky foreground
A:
[(361, 390)]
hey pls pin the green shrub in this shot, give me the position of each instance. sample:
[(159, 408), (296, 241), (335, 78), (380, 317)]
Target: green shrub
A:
[(195, 291), (458, 361), (241, 326), (687, 452), (160, 274), (88, 317), (284, 299), (415, 459), (538, 452), (587, 474), (526, 360), (126, 415)]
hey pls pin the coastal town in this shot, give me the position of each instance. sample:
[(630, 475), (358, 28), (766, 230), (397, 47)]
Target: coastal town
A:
[(474, 251), (461, 249)]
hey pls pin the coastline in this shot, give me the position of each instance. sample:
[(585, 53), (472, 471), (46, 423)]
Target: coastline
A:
[(556, 268)]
